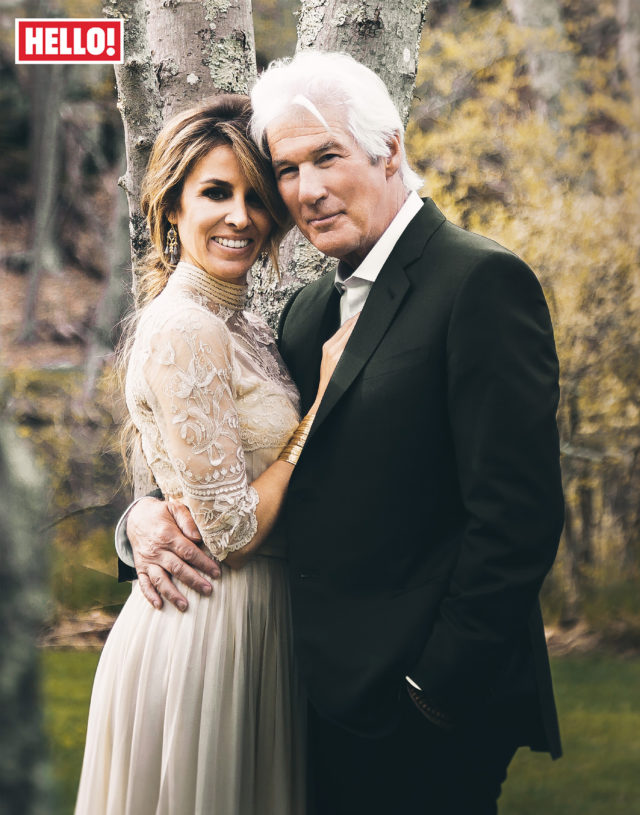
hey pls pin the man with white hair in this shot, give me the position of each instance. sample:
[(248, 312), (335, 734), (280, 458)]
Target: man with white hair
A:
[(426, 506)]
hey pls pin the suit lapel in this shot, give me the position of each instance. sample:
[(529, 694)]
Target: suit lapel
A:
[(322, 311), (382, 304), (314, 319), (330, 320), (381, 307)]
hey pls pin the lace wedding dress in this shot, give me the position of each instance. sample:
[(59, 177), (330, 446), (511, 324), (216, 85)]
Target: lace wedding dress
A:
[(200, 713)]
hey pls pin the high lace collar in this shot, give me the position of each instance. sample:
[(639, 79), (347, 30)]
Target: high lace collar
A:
[(230, 295)]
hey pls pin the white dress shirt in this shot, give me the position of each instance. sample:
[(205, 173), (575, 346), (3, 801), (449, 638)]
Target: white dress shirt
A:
[(356, 285)]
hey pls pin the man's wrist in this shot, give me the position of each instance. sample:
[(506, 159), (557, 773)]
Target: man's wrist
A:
[(434, 714), (123, 546), (122, 543)]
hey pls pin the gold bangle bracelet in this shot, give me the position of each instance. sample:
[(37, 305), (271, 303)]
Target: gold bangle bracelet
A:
[(293, 448)]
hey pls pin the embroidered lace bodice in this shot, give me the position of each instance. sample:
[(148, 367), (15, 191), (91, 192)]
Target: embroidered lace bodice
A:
[(213, 402)]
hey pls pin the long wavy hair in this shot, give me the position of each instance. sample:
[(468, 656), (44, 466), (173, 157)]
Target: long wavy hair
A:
[(183, 141)]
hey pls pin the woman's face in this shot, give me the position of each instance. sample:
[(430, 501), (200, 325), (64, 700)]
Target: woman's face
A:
[(221, 222)]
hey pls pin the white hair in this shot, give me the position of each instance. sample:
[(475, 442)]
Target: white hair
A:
[(313, 79)]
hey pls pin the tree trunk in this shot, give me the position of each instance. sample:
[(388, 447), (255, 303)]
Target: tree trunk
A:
[(24, 605), (200, 48), (551, 69), (112, 305), (386, 38), (47, 83), (140, 107), (629, 46)]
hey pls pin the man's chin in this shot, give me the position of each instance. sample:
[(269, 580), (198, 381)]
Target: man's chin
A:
[(330, 245)]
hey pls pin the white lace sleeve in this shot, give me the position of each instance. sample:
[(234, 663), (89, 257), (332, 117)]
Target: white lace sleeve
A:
[(188, 370)]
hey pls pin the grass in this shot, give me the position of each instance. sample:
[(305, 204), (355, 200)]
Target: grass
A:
[(598, 701), (599, 706), (67, 680)]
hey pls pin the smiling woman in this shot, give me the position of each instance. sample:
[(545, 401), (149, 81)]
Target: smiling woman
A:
[(202, 158), (221, 221)]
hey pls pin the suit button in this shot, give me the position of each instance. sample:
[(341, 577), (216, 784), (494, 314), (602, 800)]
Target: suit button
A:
[(305, 575)]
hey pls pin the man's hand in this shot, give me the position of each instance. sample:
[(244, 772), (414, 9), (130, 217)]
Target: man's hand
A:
[(163, 537)]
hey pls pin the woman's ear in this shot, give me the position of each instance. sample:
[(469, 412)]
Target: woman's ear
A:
[(394, 159)]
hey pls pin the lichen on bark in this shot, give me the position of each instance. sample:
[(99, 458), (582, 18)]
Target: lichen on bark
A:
[(310, 22), (230, 63)]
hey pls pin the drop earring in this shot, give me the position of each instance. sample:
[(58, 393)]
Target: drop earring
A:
[(171, 247)]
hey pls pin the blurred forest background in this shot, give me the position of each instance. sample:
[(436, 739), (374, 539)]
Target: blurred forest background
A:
[(526, 128)]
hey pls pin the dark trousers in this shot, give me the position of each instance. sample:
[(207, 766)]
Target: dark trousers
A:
[(418, 769)]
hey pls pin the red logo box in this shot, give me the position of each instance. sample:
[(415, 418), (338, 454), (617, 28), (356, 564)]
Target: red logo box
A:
[(47, 40)]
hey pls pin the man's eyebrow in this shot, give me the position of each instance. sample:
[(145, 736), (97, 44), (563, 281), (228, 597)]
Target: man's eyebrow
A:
[(328, 145)]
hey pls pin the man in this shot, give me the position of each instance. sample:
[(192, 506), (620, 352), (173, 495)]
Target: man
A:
[(426, 507)]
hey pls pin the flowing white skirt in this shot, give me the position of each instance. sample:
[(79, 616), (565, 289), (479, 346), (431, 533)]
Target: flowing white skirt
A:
[(199, 713)]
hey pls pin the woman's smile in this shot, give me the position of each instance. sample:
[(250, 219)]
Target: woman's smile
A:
[(230, 243)]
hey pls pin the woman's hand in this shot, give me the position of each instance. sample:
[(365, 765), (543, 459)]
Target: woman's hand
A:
[(331, 353)]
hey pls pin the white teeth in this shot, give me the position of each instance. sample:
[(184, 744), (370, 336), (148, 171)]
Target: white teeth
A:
[(232, 244)]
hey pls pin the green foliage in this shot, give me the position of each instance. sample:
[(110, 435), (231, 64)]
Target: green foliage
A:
[(559, 189), (78, 450)]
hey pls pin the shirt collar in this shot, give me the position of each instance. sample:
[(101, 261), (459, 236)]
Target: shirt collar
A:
[(370, 267)]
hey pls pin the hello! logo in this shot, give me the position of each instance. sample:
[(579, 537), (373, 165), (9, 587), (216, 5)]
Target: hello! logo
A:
[(48, 40)]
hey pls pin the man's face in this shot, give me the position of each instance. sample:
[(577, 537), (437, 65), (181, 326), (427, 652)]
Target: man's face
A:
[(340, 201)]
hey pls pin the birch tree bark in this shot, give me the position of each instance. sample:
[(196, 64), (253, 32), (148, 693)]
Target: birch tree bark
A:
[(200, 48), (140, 106)]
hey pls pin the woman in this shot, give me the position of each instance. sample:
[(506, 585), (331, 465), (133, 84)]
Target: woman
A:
[(201, 712)]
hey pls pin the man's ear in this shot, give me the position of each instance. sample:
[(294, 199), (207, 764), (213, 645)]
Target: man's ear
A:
[(393, 161)]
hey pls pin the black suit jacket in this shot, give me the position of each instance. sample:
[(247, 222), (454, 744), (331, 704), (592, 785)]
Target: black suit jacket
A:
[(426, 507)]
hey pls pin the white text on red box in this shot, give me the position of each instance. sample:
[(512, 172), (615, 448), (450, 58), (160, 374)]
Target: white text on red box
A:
[(50, 40)]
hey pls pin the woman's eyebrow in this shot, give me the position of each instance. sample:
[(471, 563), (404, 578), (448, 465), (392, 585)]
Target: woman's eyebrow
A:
[(217, 181)]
